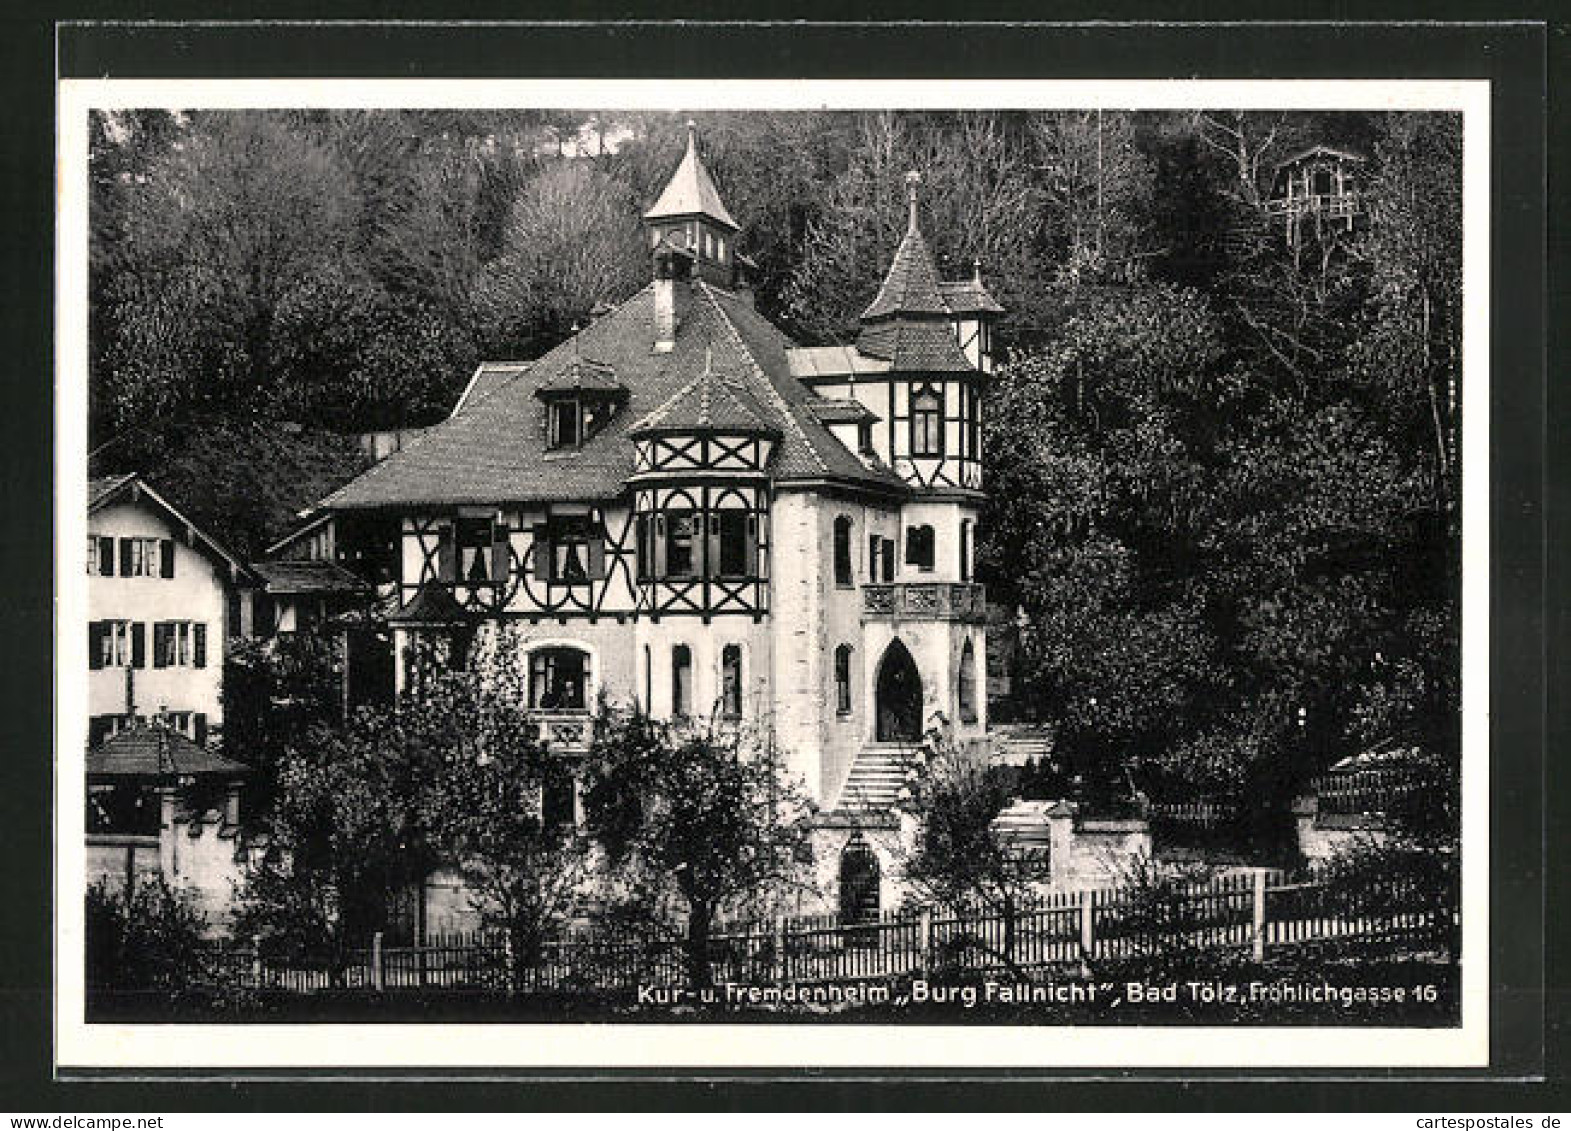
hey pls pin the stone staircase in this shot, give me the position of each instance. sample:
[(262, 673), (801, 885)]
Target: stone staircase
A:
[(877, 777)]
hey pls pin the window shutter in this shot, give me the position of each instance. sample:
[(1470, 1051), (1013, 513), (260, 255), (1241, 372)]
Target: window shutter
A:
[(125, 557), (447, 553), (95, 645), (161, 648), (106, 556), (889, 560), (542, 551), (501, 555), (199, 727), (199, 645), (166, 557), (597, 554), (138, 645)]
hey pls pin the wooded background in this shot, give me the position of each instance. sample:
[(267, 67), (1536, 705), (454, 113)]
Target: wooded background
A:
[(1223, 474)]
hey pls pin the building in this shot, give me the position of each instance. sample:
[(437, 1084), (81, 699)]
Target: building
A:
[(163, 598), (682, 508), (161, 805), (1316, 195)]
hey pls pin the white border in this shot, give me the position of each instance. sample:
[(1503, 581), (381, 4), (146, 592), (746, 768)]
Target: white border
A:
[(700, 1047)]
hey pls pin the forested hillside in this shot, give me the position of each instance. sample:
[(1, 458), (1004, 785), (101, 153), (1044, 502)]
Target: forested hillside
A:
[(1223, 470)]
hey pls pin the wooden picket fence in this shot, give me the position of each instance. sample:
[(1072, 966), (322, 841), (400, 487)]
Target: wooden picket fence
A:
[(1248, 914)]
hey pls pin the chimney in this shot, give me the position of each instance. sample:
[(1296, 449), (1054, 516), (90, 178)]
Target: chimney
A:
[(671, 295)]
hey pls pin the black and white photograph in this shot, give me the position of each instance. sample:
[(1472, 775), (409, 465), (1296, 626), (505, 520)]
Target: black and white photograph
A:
[(639, 563)]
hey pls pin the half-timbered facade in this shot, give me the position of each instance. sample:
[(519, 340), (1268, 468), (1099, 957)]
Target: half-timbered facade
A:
[(680, 507)]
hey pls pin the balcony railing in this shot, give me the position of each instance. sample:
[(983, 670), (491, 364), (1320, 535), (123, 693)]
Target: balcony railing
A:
[(565, 731), (925, 600)]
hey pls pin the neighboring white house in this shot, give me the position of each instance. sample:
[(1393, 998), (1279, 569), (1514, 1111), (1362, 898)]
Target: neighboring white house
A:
[(680, 507), (163, 597)]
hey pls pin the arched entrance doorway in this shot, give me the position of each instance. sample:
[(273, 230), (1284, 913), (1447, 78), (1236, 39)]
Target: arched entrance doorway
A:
[(859, 876), (898, 696)]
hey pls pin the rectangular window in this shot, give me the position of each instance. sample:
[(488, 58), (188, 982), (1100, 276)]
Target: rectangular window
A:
[(731, 681), (919, 547), (875, 545), (679, 557), (646, 557), (112, 643), (843, 570), (733, 543), (141, 557), (179, 644), (564, 424), (681, 680), (889, 560), (843, 679)]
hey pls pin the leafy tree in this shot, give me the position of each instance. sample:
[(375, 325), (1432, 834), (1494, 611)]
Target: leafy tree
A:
[(696, 822), (573, 239), (959, 858)]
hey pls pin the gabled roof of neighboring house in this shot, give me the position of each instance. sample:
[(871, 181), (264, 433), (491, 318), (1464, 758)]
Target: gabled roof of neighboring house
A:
[(501, 454), (105, 490), (691, 191), (152, 750), (308, 576)]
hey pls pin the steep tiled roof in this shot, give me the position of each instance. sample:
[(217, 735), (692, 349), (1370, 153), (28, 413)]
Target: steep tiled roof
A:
[(691, 191), (580, 375), (840, 410), (832, 361), (911, 346), (500, 454), (489, 377), (307, 576), (709, 402), (968, 296), (911, 286), (154, 751)]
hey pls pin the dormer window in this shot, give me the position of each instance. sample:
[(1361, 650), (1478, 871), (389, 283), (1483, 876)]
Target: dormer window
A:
[(864, 437), (565, 424)]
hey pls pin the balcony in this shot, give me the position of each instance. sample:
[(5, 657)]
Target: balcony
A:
[(565, 731), (925, 600)]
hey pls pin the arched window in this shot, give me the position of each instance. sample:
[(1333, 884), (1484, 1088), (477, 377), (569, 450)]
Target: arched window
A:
[(967, 684), (681, 680), (731, 681), (558, 679), (919, 547), (843, 551), (927, 422), (843, 679)]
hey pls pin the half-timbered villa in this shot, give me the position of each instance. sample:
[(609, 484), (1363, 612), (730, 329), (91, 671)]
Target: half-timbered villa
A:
[(679, 506)]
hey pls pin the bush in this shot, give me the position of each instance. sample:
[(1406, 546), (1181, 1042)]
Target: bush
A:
[(151, 940)]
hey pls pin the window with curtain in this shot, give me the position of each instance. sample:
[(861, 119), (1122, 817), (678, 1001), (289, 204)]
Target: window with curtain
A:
[(919, 547)]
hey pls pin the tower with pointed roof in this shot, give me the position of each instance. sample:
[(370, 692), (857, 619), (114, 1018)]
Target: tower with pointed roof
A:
[(682, 508)]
